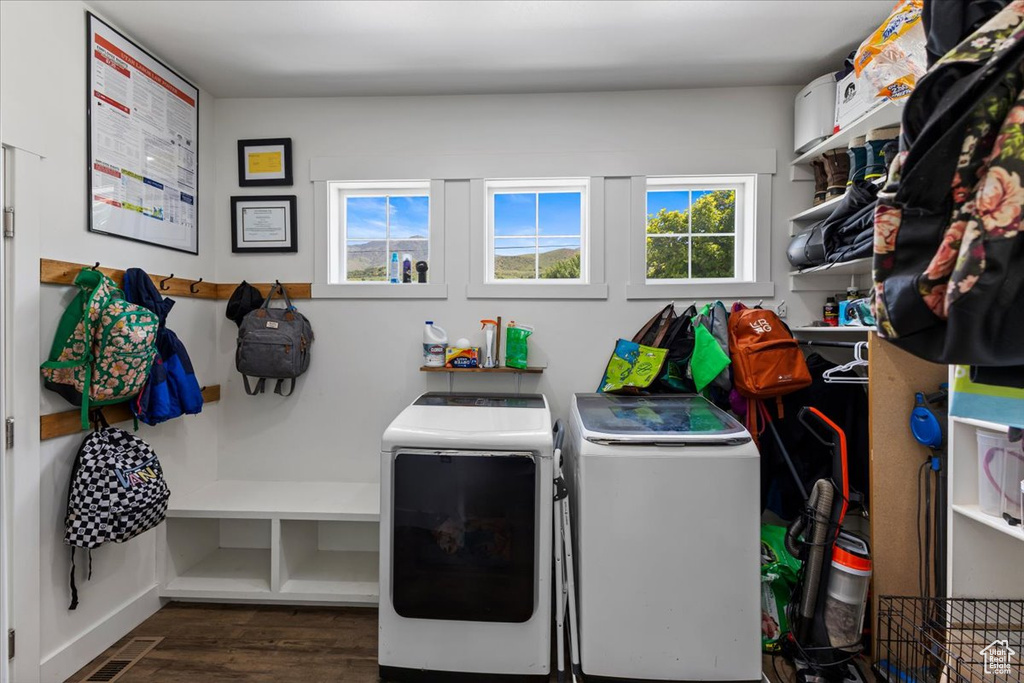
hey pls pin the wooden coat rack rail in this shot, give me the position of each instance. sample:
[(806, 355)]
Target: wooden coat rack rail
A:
[(64, 273), (70, 421)]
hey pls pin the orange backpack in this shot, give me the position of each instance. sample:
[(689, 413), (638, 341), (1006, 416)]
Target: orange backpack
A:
[(766, 360)]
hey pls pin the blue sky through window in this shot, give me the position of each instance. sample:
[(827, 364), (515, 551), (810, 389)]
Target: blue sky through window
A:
[(670, 200), (524, 214), (367, 217)]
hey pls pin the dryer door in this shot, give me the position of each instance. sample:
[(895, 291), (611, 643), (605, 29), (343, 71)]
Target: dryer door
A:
[(464, 535)]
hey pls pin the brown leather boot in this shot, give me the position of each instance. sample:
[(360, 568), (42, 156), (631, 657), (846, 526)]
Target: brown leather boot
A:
[(820, 180), (837, 172)]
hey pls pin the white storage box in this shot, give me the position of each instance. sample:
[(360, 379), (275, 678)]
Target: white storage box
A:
[(1000, 470), (814, 113), (854, 98)]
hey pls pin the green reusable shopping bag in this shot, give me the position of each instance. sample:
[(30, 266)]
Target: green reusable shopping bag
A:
[(632, 367)]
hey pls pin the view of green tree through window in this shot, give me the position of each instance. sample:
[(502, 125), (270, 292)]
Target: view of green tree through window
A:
[(536, 234), (691, 234)]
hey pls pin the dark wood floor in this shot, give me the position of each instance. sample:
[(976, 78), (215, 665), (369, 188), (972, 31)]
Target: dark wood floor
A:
[(215, 643)]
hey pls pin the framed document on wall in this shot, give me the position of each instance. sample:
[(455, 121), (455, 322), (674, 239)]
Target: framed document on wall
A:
[(265, 162), (263, 224), (143, 144)]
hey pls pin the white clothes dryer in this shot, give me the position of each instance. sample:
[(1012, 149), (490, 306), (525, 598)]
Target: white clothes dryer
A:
[(465, 540), (665, 500)]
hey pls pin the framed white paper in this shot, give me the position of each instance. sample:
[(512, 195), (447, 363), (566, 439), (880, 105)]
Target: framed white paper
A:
[(263, 224), (143, 144)]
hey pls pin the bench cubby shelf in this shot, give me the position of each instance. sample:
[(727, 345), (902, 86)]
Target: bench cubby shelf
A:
[(274, 542)]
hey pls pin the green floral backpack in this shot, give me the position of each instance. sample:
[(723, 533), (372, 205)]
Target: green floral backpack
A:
[(103, 348)]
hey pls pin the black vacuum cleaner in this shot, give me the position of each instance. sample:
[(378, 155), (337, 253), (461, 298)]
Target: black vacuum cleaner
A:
[(827, 613)]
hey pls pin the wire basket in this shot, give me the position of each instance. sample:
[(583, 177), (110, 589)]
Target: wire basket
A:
[(954, 640)]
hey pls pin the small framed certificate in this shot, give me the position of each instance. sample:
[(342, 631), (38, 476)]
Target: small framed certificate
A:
[(263, 224), (265, 162)]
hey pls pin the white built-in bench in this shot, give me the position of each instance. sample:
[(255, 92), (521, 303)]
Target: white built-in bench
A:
[(261, 541)]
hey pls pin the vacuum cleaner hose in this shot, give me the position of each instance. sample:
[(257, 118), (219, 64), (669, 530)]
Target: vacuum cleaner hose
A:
[(820, 504)]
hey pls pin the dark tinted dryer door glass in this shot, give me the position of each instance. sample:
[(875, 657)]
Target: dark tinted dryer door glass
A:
[(464, 536)]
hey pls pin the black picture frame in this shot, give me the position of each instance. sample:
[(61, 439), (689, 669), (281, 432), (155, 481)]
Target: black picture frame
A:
[(260, 146), (268, 212), (145, 59)]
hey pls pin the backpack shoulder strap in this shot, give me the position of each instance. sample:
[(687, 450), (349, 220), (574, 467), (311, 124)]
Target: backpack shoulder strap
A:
[(259, 388)]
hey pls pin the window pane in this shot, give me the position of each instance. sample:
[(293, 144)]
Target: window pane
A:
[(410, 216), (515, 259), (559, 258), (714, 257), (515, 214), (366, 217), (366, 261), (667, 257), (714, 211), (559, 213), (667, 211), (417, 251)]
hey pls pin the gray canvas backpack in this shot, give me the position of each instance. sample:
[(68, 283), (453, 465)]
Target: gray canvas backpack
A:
[(273, 343)]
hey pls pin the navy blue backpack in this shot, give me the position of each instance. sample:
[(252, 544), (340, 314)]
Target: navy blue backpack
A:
[(172, 389)]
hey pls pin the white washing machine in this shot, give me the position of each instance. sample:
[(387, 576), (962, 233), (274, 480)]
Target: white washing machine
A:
[(665, 497), (465, 540)]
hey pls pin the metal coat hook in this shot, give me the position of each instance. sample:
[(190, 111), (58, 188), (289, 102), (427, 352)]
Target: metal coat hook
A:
[(192, 287), (279, 286), (162, 282), (96, 267)]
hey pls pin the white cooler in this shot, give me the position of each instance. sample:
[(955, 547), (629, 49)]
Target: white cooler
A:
[(665, 496)]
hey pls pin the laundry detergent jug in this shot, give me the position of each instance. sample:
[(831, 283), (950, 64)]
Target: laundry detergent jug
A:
[(434, 341)]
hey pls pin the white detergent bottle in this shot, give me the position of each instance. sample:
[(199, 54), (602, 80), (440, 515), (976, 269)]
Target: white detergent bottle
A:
[(434, 341)]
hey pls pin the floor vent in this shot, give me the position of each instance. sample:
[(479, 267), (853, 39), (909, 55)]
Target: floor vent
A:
[(122, 660)]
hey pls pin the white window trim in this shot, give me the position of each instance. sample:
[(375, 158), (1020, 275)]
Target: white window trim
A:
[(539, 187), (328, 247), (592, 283), (755, 248)]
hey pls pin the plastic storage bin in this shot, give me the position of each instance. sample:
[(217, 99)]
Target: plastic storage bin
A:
[(848, 584), (1000, 471)]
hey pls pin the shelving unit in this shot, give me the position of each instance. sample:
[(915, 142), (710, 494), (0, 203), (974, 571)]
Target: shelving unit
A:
[(836, 277), (289, 542), (861, 266), (985, 553), (518, 372), (886, 114), (816, 213), (846, 331)]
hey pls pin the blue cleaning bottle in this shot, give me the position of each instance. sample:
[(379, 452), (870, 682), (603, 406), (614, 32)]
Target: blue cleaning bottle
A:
[(393, 273)]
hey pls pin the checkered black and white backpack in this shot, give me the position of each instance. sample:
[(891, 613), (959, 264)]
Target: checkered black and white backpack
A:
[(117, 492)]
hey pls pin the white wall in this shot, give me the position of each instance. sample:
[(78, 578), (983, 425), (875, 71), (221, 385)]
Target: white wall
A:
[(367, 351), (42, 110), (366, 357)]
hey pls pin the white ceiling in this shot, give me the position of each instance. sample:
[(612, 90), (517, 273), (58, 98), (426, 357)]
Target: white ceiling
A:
[(322, 48)]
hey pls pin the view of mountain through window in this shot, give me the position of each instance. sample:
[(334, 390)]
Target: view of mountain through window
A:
[(377, 225), (691, 234), (537, 235)]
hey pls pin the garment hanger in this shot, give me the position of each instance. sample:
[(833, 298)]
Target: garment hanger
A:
[(831, 376)]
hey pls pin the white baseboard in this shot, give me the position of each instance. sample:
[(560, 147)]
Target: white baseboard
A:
[(66, 661)]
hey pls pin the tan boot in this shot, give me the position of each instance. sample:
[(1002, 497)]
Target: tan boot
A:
[(820, 180), (837, 172)]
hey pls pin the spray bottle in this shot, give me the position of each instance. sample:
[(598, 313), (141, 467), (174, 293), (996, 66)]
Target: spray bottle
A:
[(490, 328)]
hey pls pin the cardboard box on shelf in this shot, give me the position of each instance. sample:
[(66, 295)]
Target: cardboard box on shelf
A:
[(854, 98)]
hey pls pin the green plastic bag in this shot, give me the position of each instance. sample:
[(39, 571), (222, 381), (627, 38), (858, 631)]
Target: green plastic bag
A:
[(632, 366), (516, 350), (779, 571)]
